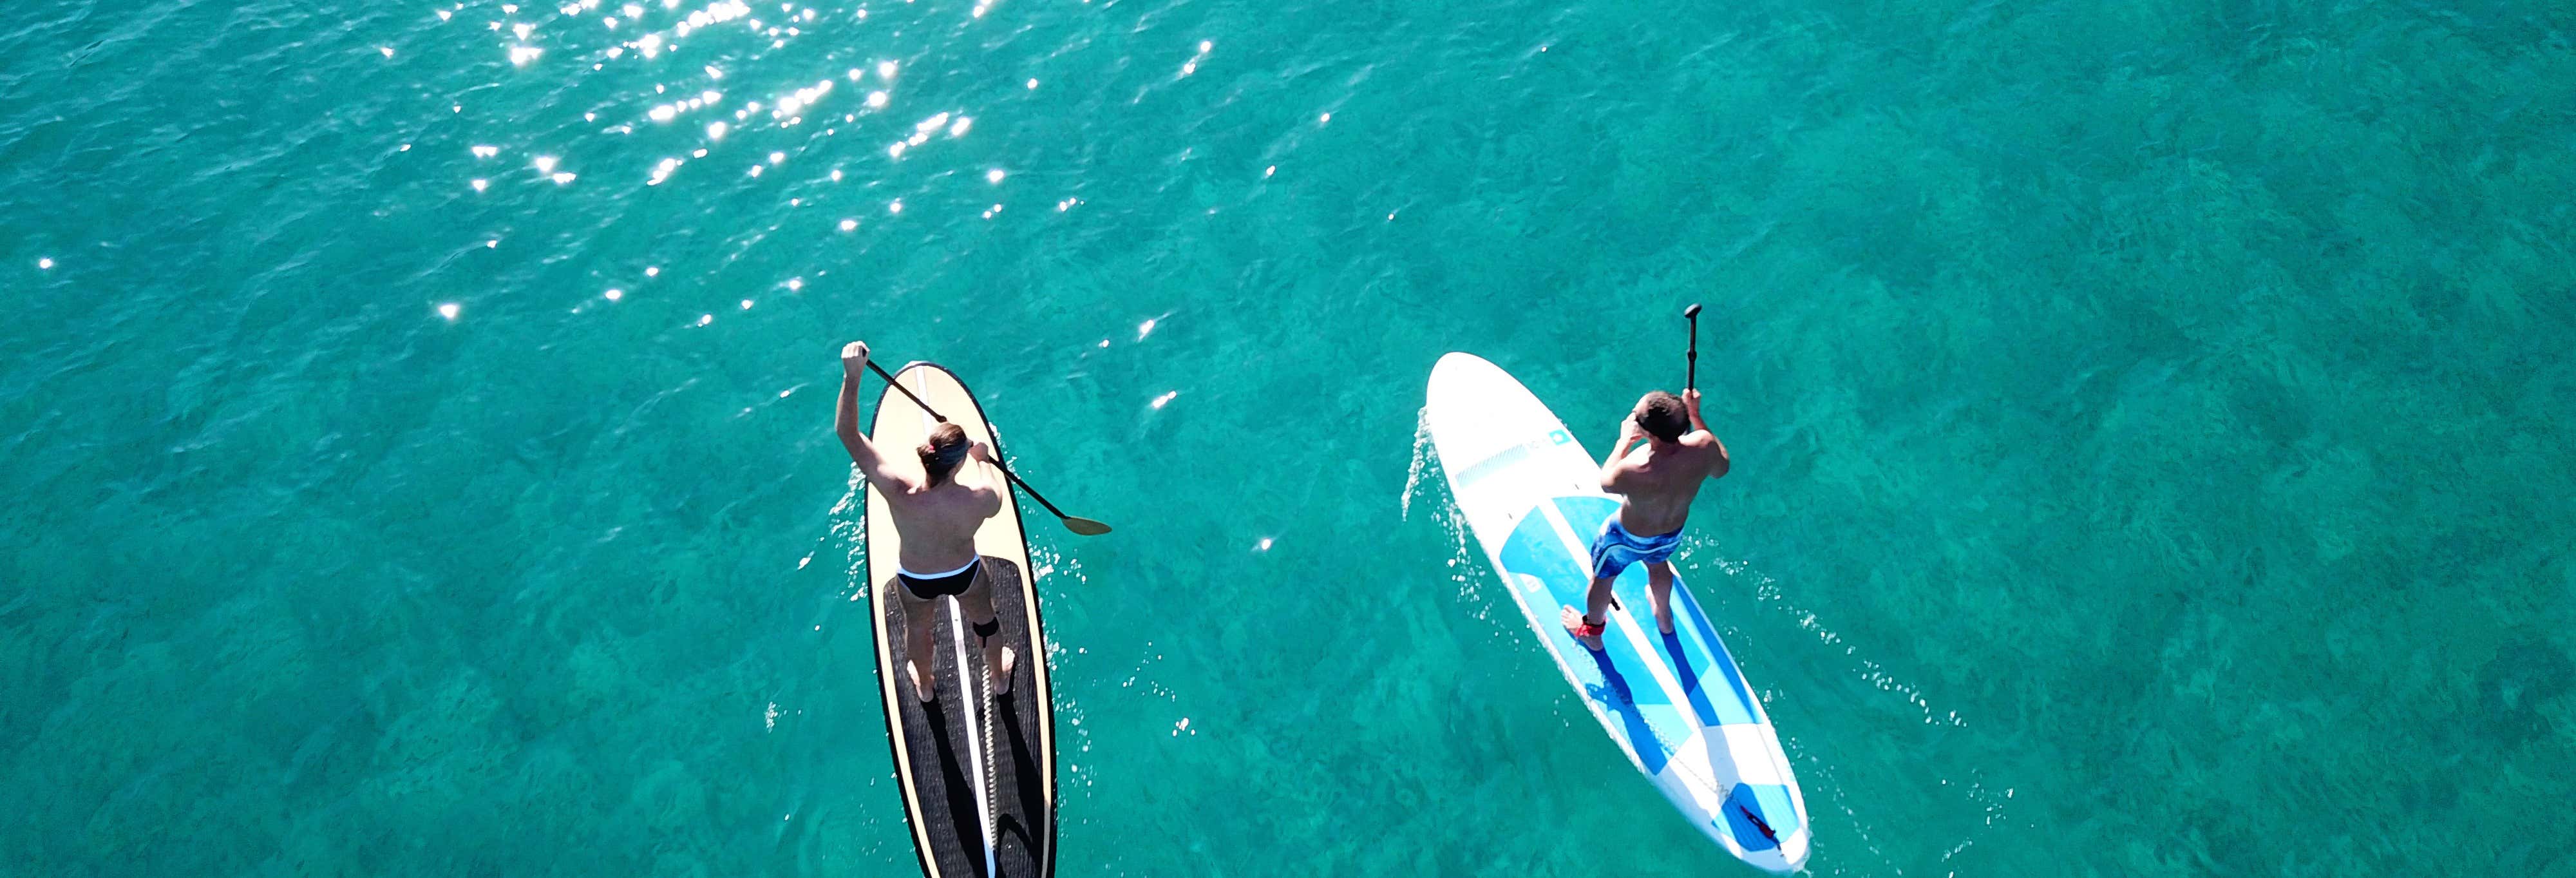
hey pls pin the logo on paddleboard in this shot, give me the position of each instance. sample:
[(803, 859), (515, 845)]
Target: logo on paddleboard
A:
[(1559, 437)]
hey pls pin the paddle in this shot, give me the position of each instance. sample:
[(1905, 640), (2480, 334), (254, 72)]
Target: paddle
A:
[(1074, 523), (1692, 313)]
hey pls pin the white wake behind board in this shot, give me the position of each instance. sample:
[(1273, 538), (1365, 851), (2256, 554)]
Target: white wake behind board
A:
[(1676, 705)]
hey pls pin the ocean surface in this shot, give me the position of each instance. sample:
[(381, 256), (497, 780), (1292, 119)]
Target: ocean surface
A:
[(2151, 423)]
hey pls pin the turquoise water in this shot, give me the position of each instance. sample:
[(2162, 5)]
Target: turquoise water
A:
[(2151, 424)]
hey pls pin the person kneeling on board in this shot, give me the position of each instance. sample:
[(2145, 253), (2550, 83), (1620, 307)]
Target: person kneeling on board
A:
[(1655, 488), (937, 507)]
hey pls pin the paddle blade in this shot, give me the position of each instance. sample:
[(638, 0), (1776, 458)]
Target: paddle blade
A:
[(1084, 526), (1692, 311)]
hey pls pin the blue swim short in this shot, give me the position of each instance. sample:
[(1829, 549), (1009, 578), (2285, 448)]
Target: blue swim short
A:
[(1616, 548)]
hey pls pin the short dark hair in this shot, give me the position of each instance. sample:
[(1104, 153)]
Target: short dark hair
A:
[(942, 451), (1663, 417)]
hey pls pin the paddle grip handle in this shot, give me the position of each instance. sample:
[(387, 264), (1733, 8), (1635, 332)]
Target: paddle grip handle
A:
[(1691, 381)]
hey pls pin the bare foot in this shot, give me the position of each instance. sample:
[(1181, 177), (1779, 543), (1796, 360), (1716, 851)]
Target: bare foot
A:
[(1002, 671), (920, 684), (1664, 618), (1585, 631)]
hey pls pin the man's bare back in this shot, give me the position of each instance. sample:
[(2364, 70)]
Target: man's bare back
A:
[(938, 522), (1657, 483)]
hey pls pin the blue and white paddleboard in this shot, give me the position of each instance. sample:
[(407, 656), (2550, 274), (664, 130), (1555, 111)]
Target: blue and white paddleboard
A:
[(1675, 704)]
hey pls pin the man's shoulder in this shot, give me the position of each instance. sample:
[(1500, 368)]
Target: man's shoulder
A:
[(953, 491), (972, 493)]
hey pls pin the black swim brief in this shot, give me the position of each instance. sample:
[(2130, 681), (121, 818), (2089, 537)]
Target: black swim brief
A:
[(933, 586)]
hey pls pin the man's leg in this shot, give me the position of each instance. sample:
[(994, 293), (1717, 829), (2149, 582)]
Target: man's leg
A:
[(1596, 613), (977, 603), (1659, 586), (920, 619)]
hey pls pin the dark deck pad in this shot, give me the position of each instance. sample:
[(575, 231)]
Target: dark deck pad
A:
[(937, 736)]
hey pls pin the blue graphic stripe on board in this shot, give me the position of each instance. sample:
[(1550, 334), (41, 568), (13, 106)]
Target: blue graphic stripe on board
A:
[(1771, 800), (1759, 815), (1618, 679), (1725, 660), (1701, 651)]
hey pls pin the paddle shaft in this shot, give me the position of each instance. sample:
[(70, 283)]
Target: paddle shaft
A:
[(997, 454)]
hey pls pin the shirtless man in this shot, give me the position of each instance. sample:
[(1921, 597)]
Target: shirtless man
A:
[(937, 504), (1656, 487)]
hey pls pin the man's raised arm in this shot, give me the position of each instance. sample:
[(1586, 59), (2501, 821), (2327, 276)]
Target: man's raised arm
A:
[(1690, 402), (1611, 469), (845, 421)]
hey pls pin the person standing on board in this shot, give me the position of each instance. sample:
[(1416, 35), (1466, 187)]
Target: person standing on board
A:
[(937, 504), (1655, 487)]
